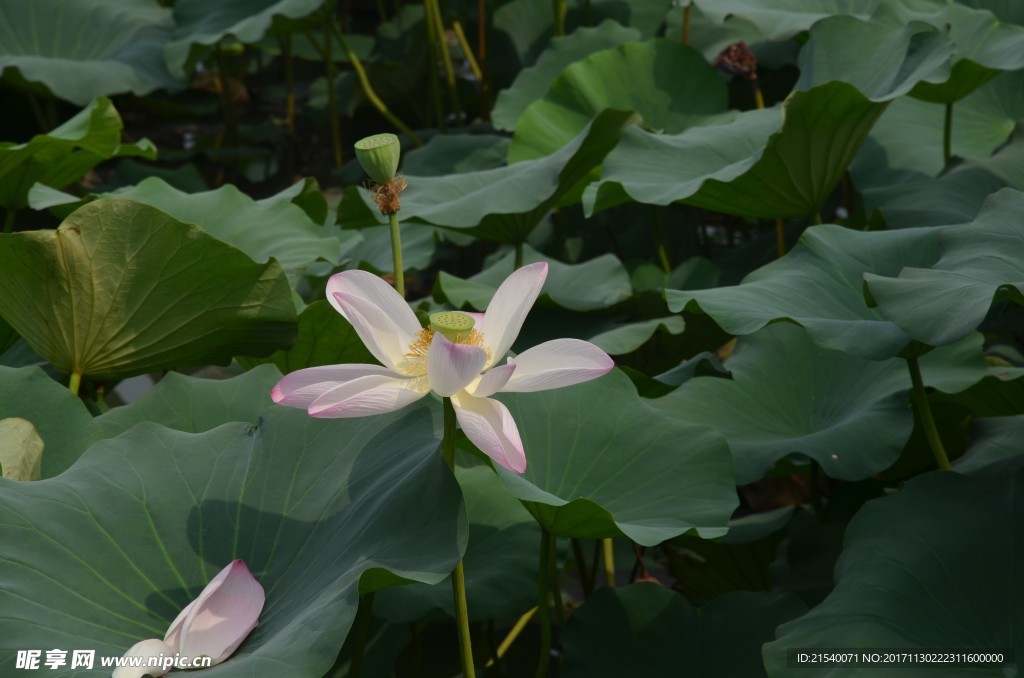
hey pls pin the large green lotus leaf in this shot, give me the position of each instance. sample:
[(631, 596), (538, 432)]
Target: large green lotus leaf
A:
[(203, 23), (906, 143), (601, 462), (882, 60), (1008, 11), (598, 283), (783, 19), (109, 552), (762, 163), (122, 288), (8, 337), (524, 29), (984, 45), (911, 199), (710, 36), (507, 203), (324, 338), (788, 395), (456, 154), (996, 448), (196, 405), (81, 49), (272, 227), (980, 263), (648, 630), (532, 83), (500, 561), (934, 566), (419, 243), (629, 337), (60, 419), (65, 154), (669, 84), (819, 285)]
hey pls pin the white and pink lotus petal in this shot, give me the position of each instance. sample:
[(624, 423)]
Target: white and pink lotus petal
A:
[(508, 308), (490, 426), (154, 648), (451, 367), (372, 394), (379, 315), (223, 615), (558, 363), (302, 387), (493, 380)]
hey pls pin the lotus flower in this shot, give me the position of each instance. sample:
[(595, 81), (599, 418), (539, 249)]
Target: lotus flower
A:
[(457, 357), (213, 625)]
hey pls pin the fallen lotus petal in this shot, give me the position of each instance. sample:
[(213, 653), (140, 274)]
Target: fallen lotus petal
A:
[(215, 624), (153, 648)]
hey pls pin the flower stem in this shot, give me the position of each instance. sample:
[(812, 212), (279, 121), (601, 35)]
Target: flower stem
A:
[(924, 415), (561, 8), (581, 567), (289, 81), (75, 381), (661, 244), (543, 604), (947, 135), (519, 256), (780, 237), (609, 561), (554, 582), (458, 575), (687, 12), (517, 628), (434, 19), (332, 96), (371, 94), (396, 255), (364, 618)]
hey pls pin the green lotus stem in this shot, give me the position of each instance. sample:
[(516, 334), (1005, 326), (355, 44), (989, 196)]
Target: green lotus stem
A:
[(687, 12), (371, 94), (37, 111), (396, 254), (474, 66), (381, 11), (554, 582), (816, 218), (661, 241), (518, 256), (780, 237), (924, 415), (75, 381), (561, 8), (364, 618), (517, 628), (230, 119), (581, 567), (285, 42), (332, 97), (947, 135), (609, 561), (543, 604), (458, 575), (434, 19), (9, 220)]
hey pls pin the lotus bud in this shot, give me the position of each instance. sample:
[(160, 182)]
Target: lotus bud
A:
[(379, 155), (455, 326)]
